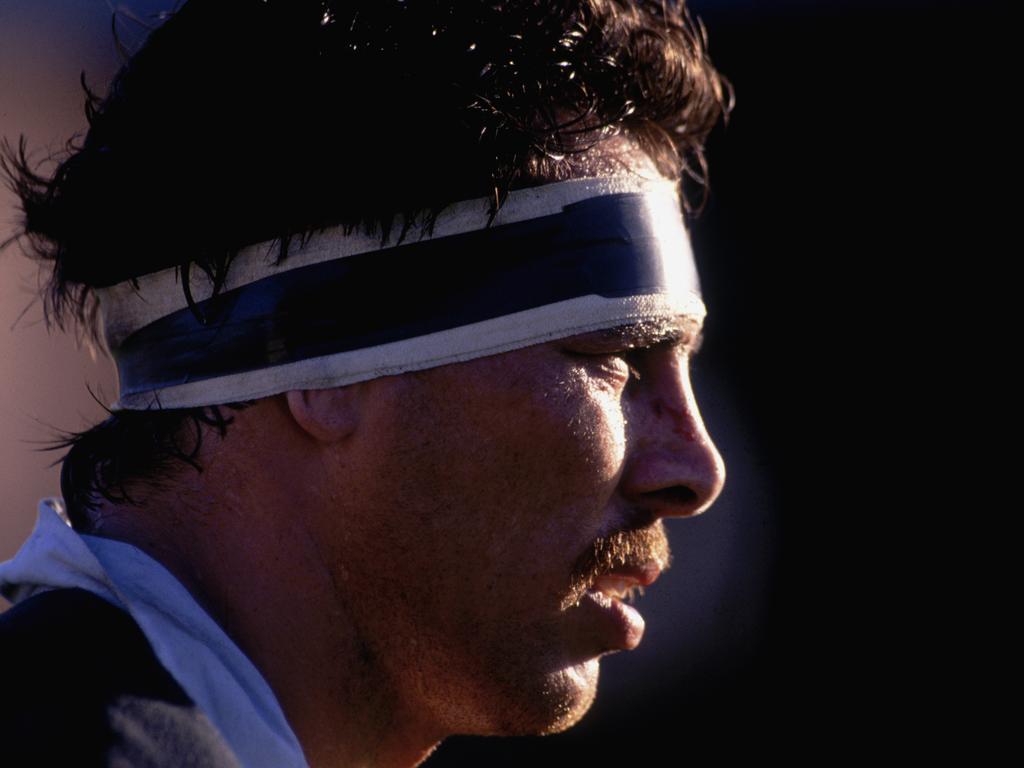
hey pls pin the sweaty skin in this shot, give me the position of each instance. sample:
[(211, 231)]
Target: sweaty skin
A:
[(505, 471), (408, 558)]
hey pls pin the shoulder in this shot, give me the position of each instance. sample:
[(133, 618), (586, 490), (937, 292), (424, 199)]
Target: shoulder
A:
[(81, 685)]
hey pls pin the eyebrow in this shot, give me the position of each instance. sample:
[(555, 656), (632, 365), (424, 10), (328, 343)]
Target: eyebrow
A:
[(684, 332)]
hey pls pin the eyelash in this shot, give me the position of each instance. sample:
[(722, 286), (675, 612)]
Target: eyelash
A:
[(629, 357)]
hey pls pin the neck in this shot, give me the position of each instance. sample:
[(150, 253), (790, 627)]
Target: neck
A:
[(240, 544)]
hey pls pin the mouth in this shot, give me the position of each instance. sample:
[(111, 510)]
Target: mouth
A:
[(617, 588), (626, 582), (618, 625)]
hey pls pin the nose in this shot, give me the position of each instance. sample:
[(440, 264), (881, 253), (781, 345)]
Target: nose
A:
[(672, 467)]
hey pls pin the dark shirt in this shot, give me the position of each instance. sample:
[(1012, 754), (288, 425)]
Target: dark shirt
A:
[(80, 686)]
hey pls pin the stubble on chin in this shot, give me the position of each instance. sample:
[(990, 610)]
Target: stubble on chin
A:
[(559, 704)]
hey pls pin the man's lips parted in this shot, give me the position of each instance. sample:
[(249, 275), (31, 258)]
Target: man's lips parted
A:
[(623, 583), (609, 619), (620, 565)]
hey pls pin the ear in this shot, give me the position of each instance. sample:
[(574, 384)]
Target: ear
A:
[(326, 415)]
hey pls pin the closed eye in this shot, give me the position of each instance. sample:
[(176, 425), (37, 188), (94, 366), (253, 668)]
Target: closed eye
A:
[(630, 357)]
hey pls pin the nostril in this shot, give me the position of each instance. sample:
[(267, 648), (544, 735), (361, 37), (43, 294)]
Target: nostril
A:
[(676, 496)]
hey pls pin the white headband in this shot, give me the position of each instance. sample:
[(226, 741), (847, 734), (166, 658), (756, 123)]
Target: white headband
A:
[(557, 260)]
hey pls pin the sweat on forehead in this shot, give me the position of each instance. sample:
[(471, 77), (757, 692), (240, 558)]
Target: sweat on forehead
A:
[(557, 260)]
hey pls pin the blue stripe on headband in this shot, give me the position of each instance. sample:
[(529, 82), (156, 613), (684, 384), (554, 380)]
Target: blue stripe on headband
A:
[(604, 245)]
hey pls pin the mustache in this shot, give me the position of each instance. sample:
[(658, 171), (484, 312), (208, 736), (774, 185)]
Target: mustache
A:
[(624, 548)]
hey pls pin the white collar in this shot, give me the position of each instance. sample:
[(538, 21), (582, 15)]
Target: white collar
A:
[(204, 661)]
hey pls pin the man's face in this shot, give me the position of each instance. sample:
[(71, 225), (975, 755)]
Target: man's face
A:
[(494, 491)]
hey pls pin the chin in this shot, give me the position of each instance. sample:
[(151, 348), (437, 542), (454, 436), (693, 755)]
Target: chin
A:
[(562, 701)]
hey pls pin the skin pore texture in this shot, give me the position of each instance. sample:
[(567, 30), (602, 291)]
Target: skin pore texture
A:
[(409, 557)]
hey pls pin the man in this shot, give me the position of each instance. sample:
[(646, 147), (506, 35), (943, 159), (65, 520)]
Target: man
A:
[(431, 256)]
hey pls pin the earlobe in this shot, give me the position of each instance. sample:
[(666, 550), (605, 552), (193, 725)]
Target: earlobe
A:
[(326, 415)]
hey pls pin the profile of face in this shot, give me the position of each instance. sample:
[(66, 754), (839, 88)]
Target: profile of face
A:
[(506, 504), (508, 500)]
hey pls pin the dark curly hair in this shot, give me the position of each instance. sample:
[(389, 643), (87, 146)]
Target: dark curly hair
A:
[(241, 121)]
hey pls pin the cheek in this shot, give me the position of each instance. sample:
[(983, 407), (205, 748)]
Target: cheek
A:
[(513, 453), (496, 484), (596, 427), (558, 462), (484, 468), (562, 430)]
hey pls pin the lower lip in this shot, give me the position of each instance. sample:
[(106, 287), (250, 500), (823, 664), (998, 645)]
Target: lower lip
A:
[(621, 626)]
